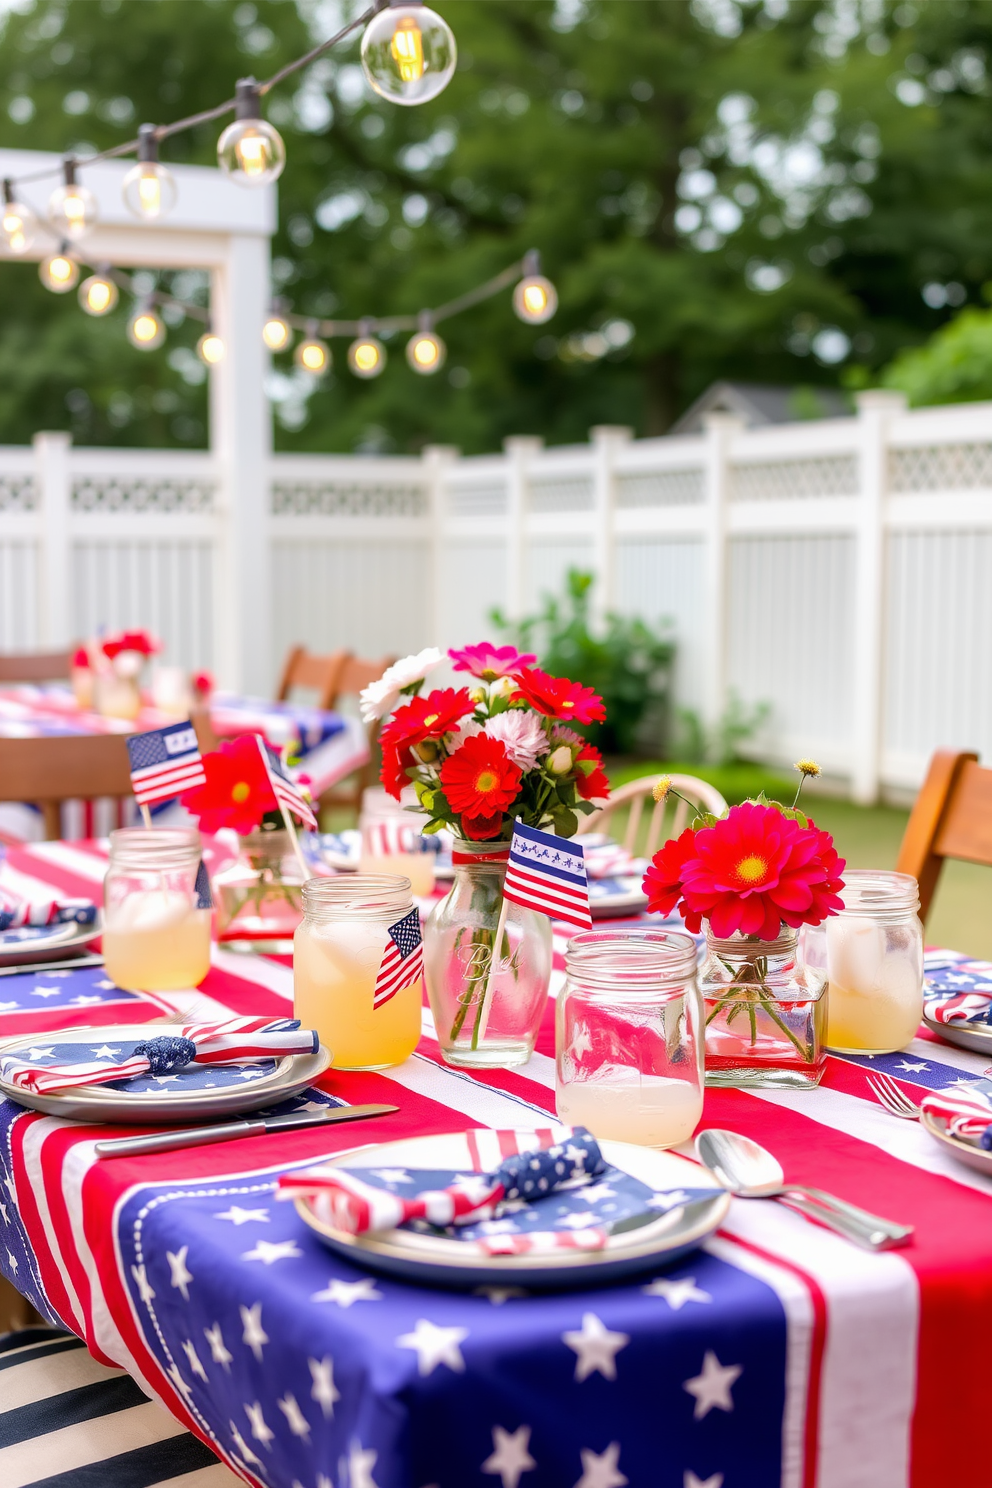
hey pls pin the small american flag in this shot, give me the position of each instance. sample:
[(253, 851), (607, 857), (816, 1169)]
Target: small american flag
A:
[(548, 873), (165, 762), (402, 960), (286, 790), (387, 839)]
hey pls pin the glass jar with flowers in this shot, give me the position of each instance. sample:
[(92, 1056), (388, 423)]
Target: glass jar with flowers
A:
[(754, 877), (259, 896), (117, 684), (481, 758)]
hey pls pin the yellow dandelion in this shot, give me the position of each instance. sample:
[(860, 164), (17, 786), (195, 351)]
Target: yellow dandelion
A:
[(807, 767), (662, 788)]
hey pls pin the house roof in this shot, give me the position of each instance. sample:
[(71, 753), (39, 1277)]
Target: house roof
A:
[(758, 404)]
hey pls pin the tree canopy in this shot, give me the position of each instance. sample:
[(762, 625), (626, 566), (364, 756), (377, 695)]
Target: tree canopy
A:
[(786, 191)]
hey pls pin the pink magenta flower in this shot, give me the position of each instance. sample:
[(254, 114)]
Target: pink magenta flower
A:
[(489, 662), (521, 735)]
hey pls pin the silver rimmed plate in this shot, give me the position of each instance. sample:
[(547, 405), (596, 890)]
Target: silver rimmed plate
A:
[(621, 895), (34, 943), (966, 1152), (441, 1261), (197, 1093), (975, 1036)]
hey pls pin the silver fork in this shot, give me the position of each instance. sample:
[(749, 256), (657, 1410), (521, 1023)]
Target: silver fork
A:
[(894, 1099)]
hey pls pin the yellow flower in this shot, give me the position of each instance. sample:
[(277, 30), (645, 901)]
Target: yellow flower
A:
[(807, 767), (662, 788)]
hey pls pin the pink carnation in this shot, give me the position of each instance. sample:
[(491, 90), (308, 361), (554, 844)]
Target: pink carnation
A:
[(489, 662), (521, 735)]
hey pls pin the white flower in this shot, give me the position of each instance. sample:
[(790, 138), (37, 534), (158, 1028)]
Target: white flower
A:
[(381, 697), (467, 729), (561, 761), (521, 735)]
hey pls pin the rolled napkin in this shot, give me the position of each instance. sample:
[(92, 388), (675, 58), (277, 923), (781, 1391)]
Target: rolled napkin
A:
[(19, 913), (609, 860), (356, 1207), (233, 1042), (968, 1114), (959, 993)]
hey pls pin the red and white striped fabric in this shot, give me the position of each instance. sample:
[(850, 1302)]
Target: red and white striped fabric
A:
[(968, 1115), (960, 1009), (388, 838), (357, 1208), (870, 1401)]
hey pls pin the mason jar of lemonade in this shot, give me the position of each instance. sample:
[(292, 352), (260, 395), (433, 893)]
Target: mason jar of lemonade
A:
[(357, 968), (157, 910)]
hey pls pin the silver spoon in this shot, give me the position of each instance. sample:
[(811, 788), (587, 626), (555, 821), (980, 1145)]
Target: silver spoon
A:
[(749, 1171)]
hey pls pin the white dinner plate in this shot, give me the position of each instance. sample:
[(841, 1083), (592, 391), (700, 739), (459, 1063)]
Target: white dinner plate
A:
[(974, 1036), (617, 895), (966, 1152), (441, 1261), (34, 943)]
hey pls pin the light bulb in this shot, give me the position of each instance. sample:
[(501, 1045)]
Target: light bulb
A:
[(425, 351), (98, 294), (149, 187), (366, 355), (535, 298), (71, 208), (250, 151), (408, 53), (276, 332), (59, 272), (18, 225), (312, 354), (146, 328), (210, 349)]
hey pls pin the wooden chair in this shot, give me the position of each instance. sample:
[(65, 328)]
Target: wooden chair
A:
[(322, 673), (636, 792), (36, 666), (355, 675), (952, 818), (48, 771)]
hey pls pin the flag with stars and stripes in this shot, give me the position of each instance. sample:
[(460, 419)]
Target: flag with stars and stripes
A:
[(402, 959), (284, 787), (165, 762), (548, 873)]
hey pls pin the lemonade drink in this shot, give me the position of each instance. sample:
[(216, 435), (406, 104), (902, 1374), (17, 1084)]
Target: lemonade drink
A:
[(157, 910), (623, 1106), (417, 867)]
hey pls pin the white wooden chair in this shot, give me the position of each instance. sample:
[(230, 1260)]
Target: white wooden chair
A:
[(636, 792)]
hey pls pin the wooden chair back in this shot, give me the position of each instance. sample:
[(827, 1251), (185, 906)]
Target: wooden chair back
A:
[(48, 771), (952, 818), (36, 666), (321, 673), (637, 792), (355, 675)]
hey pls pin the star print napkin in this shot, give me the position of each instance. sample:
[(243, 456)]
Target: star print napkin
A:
[(968, 1114), (65, 1066), (960, 993)]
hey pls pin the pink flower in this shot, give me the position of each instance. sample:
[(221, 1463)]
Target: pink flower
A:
[(521, 735), (489, 662)]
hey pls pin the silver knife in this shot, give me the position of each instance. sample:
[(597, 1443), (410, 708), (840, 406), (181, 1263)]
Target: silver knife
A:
[(199, 1136)]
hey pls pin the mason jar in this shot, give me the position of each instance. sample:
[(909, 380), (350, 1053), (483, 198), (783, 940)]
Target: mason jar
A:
[(487, 1000), (157, 910), (628, 1037), (872, 956), (338, 952)]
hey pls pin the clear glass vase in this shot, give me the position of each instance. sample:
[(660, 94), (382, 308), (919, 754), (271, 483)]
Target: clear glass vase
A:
[(765, 1013), (259, 896), (487, 1010)]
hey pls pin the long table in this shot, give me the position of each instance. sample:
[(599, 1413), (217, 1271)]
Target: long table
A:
[(775, 1354)]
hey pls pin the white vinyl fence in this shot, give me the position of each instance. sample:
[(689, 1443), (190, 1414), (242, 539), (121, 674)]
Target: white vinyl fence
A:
[(840, 570)]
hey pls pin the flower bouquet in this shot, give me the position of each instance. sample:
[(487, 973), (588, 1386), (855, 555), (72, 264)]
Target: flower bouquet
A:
[(481, 757), (754, 876), (118, 661)]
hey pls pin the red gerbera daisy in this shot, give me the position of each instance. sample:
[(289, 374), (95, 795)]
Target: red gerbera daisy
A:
[(663, 881), (427, 717), (590, 780), (480, 780), (489, 662), (237, 793), (557, 697)]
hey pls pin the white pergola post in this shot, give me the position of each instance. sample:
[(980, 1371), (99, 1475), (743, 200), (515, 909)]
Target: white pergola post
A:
[(224, 229)]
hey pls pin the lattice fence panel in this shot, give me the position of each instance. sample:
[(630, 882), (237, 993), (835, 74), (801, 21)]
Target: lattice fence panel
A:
[(18, 493), (791, 480), (568, 494), (340, 499), (477, 501), (113, 493), (660, 488), (941, 467)]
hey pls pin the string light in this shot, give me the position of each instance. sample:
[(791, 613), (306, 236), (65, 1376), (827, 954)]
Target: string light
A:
[(366, 355), (312, 354), (535, 298), (18, 225), (149, 187), (146, 328), (98, 294), (59, 272), (71, 207), (210, 348), (408, 53), (425, 351), (277, 332), (250, 150)]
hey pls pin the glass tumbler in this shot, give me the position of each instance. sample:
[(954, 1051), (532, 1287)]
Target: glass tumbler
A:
[(628, 1037), (157, 910)]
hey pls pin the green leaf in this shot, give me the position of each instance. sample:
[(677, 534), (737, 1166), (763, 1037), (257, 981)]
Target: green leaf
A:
[(566, 823), (432, 827)]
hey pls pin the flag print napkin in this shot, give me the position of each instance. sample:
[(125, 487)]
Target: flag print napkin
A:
[(967, 1112), (960, 993), (20, 913)]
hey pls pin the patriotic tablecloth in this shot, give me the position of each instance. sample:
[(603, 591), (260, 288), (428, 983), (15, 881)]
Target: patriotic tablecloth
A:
[(776, 1354)]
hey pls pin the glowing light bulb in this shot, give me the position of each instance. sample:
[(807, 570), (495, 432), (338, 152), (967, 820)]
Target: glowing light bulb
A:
[(210, 348), (535, 298), (18, 224), (146, 328), (98, 294), (71, 208), (366, 355), (59, 272), (149, 187), (425, 351), (312, 354), (250, 151), (276, 332), (408, 53)]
